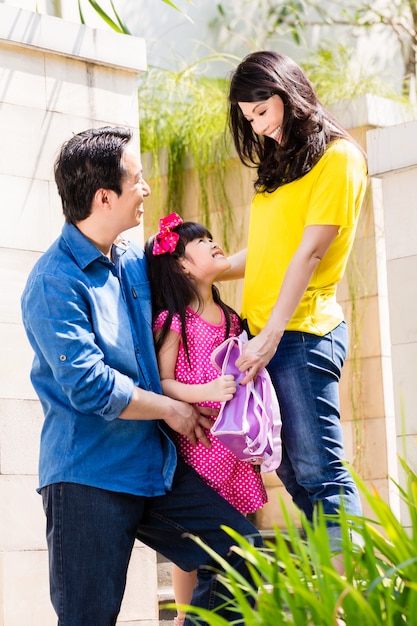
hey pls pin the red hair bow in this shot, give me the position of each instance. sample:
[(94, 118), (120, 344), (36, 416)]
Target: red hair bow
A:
[(165, 240)]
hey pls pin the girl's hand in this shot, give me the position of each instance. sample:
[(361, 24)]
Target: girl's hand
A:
[(222, 388)]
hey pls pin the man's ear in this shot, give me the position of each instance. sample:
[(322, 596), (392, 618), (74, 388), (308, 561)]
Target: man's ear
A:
[(102, 198)]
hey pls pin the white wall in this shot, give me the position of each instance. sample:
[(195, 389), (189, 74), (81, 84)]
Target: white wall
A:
[(56, 79), (393, 158)]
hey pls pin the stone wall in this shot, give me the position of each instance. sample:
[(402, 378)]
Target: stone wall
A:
[(393, 162), (56, 79)]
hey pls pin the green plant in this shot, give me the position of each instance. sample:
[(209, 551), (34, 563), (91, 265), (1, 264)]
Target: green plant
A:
[(117, 23), (183, 117), (265, 24), (298, 581), (338, 74), (182, 122)]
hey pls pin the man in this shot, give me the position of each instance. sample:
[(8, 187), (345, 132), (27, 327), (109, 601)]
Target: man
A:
[(108, 470)]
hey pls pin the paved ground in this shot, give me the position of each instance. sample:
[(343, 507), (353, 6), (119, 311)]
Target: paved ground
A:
[(166, 617)]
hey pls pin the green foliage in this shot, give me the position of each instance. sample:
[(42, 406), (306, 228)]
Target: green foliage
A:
[(261, 23), (182, 124), (183, 113), (183, 120), (183, 116), (118, 25), (337, 74), (298, 581), (174, 6)]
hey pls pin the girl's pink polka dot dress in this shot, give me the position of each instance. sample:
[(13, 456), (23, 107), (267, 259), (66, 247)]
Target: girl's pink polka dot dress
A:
[(237, 481)]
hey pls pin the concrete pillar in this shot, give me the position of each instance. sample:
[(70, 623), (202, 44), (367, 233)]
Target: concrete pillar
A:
[(393, 160)]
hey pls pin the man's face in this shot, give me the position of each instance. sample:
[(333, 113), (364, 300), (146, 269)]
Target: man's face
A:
[(134, 190)]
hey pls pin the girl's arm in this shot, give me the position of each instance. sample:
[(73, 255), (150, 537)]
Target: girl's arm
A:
[(218, 390), (259, 351)]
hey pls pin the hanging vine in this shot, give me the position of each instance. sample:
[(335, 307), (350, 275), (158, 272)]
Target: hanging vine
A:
[(182, 124)]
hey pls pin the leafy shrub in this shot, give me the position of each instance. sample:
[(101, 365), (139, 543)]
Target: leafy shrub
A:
[(297, 575)]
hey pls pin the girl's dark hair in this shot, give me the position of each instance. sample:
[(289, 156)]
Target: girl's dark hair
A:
[(307, 127), (172, 290)]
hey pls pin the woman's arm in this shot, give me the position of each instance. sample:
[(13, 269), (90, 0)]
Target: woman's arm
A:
[(237, 270), (258, 351), (218, 390)]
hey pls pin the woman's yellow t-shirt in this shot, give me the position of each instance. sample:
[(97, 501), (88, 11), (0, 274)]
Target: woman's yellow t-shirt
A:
[(331, 193)]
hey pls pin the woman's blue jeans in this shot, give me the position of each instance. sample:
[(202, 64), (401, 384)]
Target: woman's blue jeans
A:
[(305, 371), (91, 532)]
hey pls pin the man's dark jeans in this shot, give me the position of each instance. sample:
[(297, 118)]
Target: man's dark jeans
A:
[(91, 533)]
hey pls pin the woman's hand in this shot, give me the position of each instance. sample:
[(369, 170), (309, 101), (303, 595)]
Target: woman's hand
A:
[(256, 354)]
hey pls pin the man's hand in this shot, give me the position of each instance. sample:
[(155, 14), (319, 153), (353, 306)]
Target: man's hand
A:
[(189, 421)]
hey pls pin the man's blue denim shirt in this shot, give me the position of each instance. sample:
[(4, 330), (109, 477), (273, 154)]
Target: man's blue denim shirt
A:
[(90, 325)]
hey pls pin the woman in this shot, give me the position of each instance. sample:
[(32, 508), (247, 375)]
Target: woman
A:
[(311, 180)]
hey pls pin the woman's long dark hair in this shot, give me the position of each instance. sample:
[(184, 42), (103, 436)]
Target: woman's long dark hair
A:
[(307, 128), (172, 290)]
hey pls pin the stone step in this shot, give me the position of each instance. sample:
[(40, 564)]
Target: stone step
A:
[(164, 571), (165, 590), (165, 595)]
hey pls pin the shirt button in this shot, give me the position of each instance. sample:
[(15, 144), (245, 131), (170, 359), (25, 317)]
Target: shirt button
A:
[(62, 357)]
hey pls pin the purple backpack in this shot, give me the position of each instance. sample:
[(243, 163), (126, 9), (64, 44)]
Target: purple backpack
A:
[(250, 423)]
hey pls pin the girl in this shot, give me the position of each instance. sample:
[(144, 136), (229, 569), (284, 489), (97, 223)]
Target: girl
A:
[(311, 180), (190, 321)]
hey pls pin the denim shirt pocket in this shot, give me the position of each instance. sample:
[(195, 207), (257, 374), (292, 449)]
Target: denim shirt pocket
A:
[(142, 303)]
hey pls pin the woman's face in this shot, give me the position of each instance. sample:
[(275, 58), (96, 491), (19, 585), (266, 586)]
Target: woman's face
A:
[(266, 117)]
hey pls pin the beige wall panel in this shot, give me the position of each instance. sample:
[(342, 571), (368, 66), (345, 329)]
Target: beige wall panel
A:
[(22, 77), (402, 284), (22, 521), (404, 358), (14, 268), (15, 363), (400, 200), (24, 595), (26, 220), (137, 601), (91, 92), (20, 426)]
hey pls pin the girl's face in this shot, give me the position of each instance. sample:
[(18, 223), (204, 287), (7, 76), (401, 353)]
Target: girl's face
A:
[(204, 260), (266, 117)]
